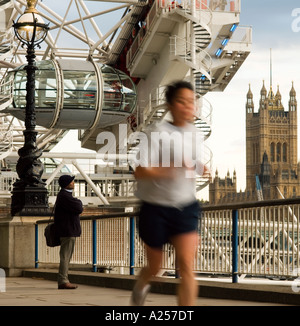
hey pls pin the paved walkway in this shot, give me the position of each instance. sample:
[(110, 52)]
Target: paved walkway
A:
[(33, 291)]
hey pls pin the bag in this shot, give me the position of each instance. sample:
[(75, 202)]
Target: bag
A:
[(52, 240)]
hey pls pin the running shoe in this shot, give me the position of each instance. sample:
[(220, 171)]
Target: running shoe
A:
[(138, 296)]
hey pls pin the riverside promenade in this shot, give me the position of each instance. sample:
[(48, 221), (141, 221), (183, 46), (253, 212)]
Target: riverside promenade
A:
[(38, 287)]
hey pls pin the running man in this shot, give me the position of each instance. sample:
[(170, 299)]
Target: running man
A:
[(165, 175)]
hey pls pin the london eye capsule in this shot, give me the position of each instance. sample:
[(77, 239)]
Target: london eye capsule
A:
[(74, 94)]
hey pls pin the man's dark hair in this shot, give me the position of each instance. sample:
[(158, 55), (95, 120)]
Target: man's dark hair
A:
[(172, 89)]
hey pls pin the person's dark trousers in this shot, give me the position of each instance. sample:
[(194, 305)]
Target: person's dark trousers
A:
[(65, 254)]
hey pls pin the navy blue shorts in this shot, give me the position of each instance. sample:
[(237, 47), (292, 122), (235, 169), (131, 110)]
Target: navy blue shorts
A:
[(157, 224)]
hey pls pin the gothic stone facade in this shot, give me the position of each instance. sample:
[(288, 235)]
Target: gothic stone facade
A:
[(271, 151)]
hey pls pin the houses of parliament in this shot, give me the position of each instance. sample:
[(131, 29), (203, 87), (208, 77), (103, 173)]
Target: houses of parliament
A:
[(271, 152)]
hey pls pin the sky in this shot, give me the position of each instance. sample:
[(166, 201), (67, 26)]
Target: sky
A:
[(276, 26)]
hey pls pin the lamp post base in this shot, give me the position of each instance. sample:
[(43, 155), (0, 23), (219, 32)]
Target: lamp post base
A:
[(30, 201)]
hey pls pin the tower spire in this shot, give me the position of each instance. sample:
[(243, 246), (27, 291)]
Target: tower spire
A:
[(271, 68)]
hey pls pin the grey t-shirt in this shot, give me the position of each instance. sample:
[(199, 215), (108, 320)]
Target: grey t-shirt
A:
[(164, 144)]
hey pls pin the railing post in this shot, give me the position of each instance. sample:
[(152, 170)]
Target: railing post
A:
[(36, 251), (235, 246), (131, 245), (94, 224)]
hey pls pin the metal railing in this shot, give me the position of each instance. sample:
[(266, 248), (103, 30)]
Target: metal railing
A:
[(6, 93), (257, 238), (180, 48), (202, 12), (220, 5), (141, 35), (7, 180)]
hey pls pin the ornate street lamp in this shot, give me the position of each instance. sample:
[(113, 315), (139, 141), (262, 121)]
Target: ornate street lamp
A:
[(29, 195)]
